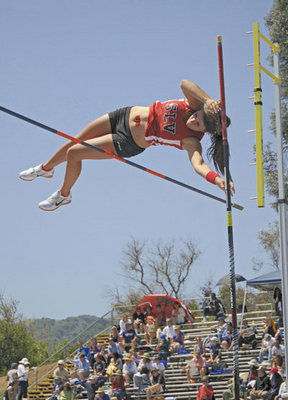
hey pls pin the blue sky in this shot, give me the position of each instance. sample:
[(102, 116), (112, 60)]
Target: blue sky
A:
[(65, 63)]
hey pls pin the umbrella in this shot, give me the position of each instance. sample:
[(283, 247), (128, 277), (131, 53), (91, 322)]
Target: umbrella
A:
[(225, 280)]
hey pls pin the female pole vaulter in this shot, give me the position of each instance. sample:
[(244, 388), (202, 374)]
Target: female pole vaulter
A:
[(128, 131)]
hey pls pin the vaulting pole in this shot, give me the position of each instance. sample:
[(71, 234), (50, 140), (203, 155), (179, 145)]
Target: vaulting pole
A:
[(229, 219), (132, 164)]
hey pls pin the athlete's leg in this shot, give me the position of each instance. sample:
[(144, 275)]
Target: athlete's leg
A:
[(78, 152), (99, 127)]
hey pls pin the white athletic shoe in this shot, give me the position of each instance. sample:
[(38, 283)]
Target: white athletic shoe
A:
[(32, 173), (55, 201)]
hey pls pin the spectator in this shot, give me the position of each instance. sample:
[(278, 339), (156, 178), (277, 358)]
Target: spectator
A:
[(129, 338), (169, 330), (220, 327), (276, 381), (199, 346), (138, 319), (11, 390), (12, 373), (247, 335), (253, 373), (157, 384), (214, 307), (206, 391), (113, 348), (144, 367), (214, 351), (94, 349), (271, 328), (99, 364), (277, 297), (134, 356), (158, 365), (283, 392), (22, 372), (191, 368), (178, 314), (118, 385), (101, 395), (57, 388), (150, 330), (230, 393), (278, 362), (61, 372), (277, 349), (227, 338), (123, 322), (200, 363), (159, 316), (163, 347), (91, 385), (81, 349), (262, 385), (67, 392), (114, 366), (82, 367), (129, 369), (266, 347), (114, 334), (177, 340), (147, 312)]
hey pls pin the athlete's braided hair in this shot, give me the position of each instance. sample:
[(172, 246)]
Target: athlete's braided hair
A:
[(213, 125)]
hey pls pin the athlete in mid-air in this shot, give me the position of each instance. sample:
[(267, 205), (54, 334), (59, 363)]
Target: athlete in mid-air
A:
[(129, 131)]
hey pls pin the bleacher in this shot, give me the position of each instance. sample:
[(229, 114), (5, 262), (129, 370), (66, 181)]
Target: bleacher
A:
[(176, 381)]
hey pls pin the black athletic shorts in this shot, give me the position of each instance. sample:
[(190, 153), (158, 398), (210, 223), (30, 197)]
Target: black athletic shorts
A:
[(122, 138)]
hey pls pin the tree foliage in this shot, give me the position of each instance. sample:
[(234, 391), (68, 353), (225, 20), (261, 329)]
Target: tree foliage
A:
[(162, 268), (16, 341)]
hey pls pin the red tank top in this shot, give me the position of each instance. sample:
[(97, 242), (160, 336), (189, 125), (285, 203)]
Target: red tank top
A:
[(165, 124)]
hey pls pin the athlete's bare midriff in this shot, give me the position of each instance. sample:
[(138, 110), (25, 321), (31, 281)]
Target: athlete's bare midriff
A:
[(138, 131)]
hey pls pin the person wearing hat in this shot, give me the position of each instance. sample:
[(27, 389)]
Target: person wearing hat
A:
[(129, 368), (101, 395), (252, 374), (262, 384), (23, 372), (144, 367), (206, 391), (67, 392), (276, 381), (57, 388), (118, 385), (61, 372), (230, 393), (214, 350), (157, 383)]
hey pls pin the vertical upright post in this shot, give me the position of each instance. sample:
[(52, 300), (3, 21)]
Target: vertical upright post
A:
[(258, 117), (282, 207), (229, 219)]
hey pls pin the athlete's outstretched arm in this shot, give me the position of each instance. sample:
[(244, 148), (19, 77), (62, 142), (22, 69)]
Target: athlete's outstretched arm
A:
[(196, 96), (194, 150)]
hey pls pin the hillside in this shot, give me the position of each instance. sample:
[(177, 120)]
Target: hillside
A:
[(54, 331)]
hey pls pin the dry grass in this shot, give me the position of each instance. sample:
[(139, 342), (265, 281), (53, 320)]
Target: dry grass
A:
[(32, 376)]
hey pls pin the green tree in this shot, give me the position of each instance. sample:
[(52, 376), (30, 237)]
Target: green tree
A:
[(16, 341)]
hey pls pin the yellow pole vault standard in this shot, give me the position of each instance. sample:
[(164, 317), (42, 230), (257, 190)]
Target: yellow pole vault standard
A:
[(257, 35), (258, 117)]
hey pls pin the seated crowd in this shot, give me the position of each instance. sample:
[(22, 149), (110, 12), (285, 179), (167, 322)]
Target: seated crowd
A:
[(138, 351)]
